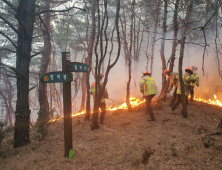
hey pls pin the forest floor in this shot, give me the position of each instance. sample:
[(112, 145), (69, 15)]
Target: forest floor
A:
[(127, 141)]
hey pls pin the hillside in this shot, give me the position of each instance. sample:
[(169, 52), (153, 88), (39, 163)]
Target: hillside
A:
[(127, 141)]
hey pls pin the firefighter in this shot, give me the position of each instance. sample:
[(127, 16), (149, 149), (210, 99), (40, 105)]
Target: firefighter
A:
[(149, 89), (174, 78), (102, 104), (195, 68), (187, 79)]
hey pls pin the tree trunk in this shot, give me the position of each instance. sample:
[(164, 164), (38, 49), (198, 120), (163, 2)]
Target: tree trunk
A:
[(43, 97), (154, 36), (87, 116), (8, 100), (130, 58), (8, 110), (98, 95), (82, 107), (184, 30), (163, 49), (26, 18), (174, 45)]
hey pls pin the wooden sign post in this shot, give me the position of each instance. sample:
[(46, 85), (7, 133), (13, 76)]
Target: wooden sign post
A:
[(66, 77)]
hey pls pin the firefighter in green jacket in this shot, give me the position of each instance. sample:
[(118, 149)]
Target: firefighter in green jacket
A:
[(102, 105), (149, 89), (187, 79), (192, 84), (174, 78)]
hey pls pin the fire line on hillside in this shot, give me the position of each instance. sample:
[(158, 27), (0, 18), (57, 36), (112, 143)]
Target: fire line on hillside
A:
[(136, 102)]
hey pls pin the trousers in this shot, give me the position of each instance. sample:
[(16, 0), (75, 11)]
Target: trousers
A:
[(148, 106)]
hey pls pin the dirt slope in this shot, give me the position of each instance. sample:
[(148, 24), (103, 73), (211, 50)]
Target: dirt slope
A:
[(127, 141)]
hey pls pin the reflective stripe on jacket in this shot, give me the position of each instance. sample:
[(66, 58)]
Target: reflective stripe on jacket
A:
[(197, 82), (147, 85), (93, 92), (187, 79)]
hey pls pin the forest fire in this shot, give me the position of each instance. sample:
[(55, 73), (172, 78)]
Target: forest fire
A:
[(136, 102), (133, 101), (209, 101)]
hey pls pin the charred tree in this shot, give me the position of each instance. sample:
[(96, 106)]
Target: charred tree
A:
[(182, 42)]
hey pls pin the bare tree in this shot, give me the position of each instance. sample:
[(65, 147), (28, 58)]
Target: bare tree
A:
[(92, 40), (184, 30), (43, 97), (155, 33), (130, 58), (99, 94), (163, 47)]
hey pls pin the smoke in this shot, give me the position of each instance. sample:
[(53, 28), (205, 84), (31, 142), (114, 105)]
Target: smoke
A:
[(210, 81)]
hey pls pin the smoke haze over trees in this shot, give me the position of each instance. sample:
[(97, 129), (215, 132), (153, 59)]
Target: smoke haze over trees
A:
[(34, 33)]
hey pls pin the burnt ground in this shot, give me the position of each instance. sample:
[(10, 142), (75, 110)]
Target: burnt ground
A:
[(127, 141)]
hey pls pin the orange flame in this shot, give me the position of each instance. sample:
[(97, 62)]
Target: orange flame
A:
[(133, 101), (136, 102), (209, 101)]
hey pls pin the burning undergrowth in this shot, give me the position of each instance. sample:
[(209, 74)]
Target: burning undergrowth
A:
[(138, 104)]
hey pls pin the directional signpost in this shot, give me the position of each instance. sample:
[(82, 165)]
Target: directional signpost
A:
[(54, 77), (78, 67), (66, 77)]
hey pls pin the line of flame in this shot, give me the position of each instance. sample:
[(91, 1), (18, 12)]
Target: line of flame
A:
[(136, 102), (209, 101), (133, 101)]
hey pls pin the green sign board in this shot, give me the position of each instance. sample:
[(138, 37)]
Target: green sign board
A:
[(54, 77), (78, 67)]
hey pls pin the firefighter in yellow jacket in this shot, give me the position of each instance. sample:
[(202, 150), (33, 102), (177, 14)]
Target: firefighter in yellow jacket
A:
[(187, 79), (192, 84), (102, 105), (174, 78), (149, 89)]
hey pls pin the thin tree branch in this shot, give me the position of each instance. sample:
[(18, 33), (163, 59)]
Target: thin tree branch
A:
[(10, 5), (64, 10), (44, 26), (9, 24), (11, 75), (33, 87), (6, 49), (12, 68), (35, 54), (8, 39)]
